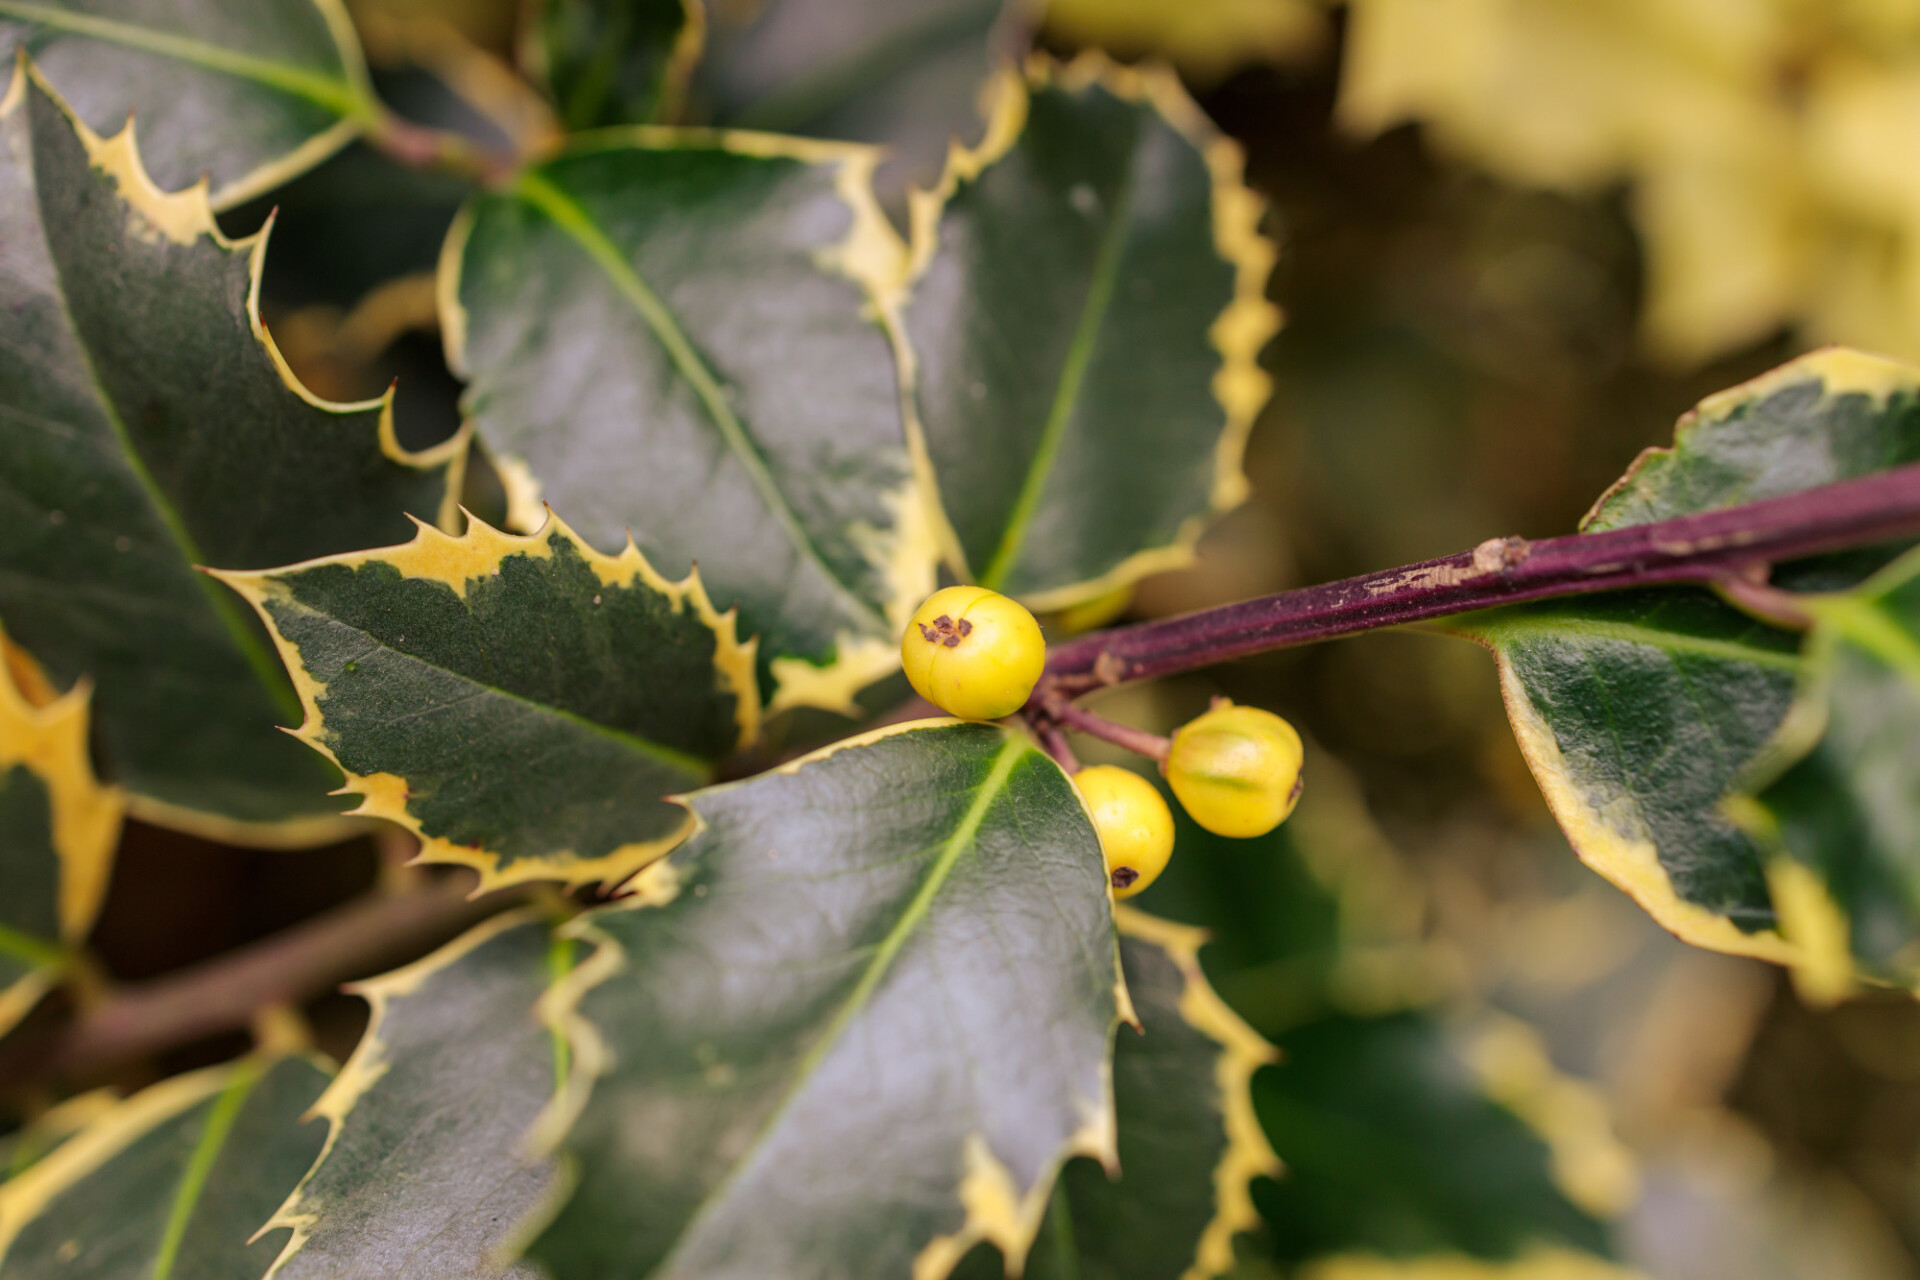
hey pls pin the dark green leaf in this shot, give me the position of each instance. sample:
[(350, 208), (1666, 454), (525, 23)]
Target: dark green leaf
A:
[(1639, 711), (612, 62), (908, 1035), (147, 425), (674, 333), (1087, 313), (1190, 1144), (247, 95), (170, 1184), (1838, 793), (524, 704), (426, 1173), (907, 74), (58, 829)]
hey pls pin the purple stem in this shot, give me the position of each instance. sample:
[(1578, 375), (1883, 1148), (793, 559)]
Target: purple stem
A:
[(1707, 548)]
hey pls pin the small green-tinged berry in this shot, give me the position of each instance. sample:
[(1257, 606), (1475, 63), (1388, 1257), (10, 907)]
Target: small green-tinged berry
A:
[(973, 653), (1135, 825), (1236, 770)]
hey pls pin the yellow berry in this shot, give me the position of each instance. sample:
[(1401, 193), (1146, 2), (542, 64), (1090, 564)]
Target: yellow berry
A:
[(1236, 770), (973, 653), (1135, 825)]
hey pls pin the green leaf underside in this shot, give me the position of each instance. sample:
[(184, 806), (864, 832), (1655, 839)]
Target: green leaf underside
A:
[(147, 430), (609, 64), (920, 961), (1659, 701), (249, 94), (903, 73), (180, 1200), (1065, 383), (1391, 1147), (650, 331), (1148, 1222), (426, 1177), (537, 716), (1849, 805)]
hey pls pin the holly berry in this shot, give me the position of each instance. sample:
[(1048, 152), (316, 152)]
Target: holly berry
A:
[(973, 653), (1236, 770), (1134, 823)]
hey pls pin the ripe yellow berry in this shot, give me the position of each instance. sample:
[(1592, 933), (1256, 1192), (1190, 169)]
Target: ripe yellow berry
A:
[(1135, 825), (973, 653), (1236, 770)]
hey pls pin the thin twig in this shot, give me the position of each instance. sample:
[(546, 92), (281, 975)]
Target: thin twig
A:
[(1138, 741), (355, 940), (1708, 549), (1054, 739)]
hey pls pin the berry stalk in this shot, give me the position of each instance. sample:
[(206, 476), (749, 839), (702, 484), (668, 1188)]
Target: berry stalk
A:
[(1726, 547)]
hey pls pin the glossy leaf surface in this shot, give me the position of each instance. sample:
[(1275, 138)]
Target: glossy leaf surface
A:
[(908, 1034), (524, 704), (247, 95), (170, 1184), (426, 1172), (671, 333), (1190, 1144), (1838, 792), (1087, 310), (1640, 712), (149, 427), (58, 829)]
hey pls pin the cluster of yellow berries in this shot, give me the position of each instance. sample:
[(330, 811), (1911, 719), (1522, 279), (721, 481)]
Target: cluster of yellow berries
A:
[(976, 654)]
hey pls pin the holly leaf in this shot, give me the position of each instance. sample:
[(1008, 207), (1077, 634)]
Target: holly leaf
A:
[(173, 1182), (1103, 217), (920, 969), (244, 96), (452, 1039), (1639, 711), (58, 831), (1834, 802), (1190, 1144), (609, 64), (904, 74), (149, 426), (673, 333), (523, 704)]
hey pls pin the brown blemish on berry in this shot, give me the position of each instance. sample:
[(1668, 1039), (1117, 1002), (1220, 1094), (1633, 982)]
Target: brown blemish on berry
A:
[(942, 631), (1123, 877), (1299, 781)]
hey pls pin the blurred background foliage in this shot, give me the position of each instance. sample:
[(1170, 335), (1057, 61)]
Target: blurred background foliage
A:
[(1520, 237)]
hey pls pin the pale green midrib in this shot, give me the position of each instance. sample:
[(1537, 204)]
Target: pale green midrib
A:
[(193, 1180), (559, 965), (1867, 624), (1093, 314), (567, 214), (870, 978), (1066, 1254), (659, 752), (338, 96), (226, 607), (1633, 634), (24, 946)]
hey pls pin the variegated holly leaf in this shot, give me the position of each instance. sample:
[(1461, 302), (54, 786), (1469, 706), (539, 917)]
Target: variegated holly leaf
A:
[(171, 1184), (608, 64), (452, 1039), (524, 704), (905, 74), (674, 333), (58, 829), (1190, 1144), (1638, 711), (853, 1026), (1087, 311), (147, 425), (246, 95), (1835, 800)]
